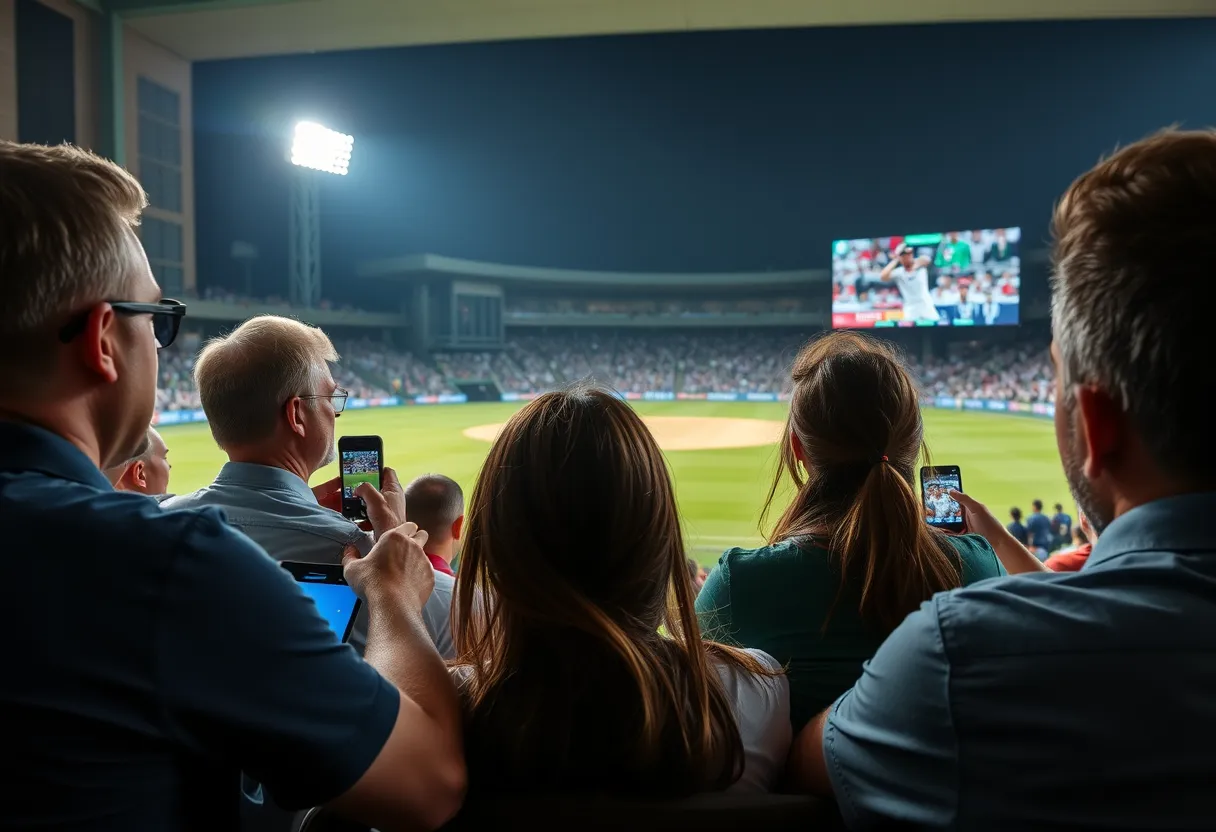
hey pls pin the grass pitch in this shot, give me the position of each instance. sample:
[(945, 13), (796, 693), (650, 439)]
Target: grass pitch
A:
[(1005, 460)]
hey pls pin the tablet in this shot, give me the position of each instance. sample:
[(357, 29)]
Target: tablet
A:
[(335, 600)]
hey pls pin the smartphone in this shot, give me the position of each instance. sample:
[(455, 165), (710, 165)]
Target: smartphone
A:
[(361, 459), (325, 585), (941, 511)]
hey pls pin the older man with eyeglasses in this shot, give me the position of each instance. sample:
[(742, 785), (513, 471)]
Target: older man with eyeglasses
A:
[(271, 402)]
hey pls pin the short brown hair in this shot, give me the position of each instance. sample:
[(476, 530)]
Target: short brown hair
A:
[(434, 502), (245, 377), (1133, 264), (65, 220)]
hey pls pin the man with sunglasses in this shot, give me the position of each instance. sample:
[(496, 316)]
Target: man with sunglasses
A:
[(158, 654), (271, 403)]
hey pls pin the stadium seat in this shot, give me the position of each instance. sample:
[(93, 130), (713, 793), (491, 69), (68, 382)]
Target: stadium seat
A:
[(705, 813)]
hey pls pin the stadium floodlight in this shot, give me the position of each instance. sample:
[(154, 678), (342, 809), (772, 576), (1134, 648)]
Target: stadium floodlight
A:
[(320, 148)]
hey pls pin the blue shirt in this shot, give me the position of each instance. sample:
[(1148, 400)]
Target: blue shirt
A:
[(152, 655), (1038, 527), (1048, 700), (279, 511)]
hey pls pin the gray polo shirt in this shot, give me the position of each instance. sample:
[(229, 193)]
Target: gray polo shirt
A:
[(1049, 700), (279, 511)]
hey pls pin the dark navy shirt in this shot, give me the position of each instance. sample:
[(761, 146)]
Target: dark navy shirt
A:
[(1038, 527), (1079, 700), (151, 656)]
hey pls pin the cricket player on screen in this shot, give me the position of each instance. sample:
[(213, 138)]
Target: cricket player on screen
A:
[(911, 275)]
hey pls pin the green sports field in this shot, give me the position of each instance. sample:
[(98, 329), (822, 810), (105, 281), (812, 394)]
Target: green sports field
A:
[(1005, 460)]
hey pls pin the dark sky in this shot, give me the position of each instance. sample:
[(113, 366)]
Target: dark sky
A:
[(690, 152)]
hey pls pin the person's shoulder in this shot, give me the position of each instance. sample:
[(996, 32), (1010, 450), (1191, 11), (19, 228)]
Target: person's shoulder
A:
[(785, 551), (979, 561)]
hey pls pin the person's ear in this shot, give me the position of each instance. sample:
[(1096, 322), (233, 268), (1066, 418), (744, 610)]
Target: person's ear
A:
[(457, 527), (796, 446), (1099, 424), (294, 410), (98, 345), (139, 475)]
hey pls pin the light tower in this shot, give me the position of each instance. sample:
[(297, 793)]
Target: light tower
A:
[(315, 150)]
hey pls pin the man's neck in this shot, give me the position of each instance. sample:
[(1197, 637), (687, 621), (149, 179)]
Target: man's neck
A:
[(70, 422), (283, 459), (445, 550)]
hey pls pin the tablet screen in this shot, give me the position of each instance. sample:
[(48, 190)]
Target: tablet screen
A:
[(335, 600)]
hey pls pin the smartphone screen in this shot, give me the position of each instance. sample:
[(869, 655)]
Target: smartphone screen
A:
[(360, 458), (941, 510)]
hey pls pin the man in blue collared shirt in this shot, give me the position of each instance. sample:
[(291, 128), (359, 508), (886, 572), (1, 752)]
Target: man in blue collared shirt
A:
[(154, 655), (271, 402), (1078, 700)]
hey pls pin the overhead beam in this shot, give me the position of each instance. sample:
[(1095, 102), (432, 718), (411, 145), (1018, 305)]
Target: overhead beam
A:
[(151, 8)]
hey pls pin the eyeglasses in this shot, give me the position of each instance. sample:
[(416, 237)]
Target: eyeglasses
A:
[(166, 315), (337, 399)]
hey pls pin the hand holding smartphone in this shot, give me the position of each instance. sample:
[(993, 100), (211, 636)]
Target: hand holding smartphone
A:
[(941, 510), (361, 459)]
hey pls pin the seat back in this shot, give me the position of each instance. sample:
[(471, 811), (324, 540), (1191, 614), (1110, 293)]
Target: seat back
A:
[(561, 813)]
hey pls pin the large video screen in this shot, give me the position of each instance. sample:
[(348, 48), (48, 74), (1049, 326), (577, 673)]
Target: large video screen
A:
[(955, 278)]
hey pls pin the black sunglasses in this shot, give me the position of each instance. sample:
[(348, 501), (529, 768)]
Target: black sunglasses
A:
[(166, 315)]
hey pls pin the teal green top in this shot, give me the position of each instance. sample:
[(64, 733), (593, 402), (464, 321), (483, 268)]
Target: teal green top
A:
[(776, 598)]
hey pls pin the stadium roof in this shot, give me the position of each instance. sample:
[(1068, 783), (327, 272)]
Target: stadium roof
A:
[(207, 29), (422, 265)]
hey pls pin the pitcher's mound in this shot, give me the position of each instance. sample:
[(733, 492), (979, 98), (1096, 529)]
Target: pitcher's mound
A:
[(687, 433)]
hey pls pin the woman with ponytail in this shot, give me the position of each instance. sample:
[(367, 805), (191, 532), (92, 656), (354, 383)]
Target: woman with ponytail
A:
[(580, 662), (852, 554)]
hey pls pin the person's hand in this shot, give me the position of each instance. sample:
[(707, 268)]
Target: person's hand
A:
[(395, 564), (385, 505), (329, 494), (977, 519)]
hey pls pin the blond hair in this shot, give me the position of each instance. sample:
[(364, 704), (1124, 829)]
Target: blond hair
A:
[(66, 219), (246, 377)]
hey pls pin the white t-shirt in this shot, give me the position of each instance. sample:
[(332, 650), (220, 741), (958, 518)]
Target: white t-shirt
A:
[(762, 712), (943, 506), (914, 286)]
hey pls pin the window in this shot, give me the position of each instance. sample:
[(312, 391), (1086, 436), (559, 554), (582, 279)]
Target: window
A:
[(160, 145), (162, 241)]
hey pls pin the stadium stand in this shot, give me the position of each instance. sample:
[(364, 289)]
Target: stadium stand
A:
[(636, 363)]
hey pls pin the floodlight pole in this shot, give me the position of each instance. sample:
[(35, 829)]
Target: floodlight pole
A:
[(304, 231)]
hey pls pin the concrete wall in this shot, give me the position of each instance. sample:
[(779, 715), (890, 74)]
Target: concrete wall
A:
[(141, 57)]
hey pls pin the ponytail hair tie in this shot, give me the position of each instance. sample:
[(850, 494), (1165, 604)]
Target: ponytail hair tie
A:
[(881, 460)]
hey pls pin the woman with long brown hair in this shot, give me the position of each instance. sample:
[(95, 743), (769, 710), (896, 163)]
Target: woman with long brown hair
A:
[(852, 554), (581, 664)]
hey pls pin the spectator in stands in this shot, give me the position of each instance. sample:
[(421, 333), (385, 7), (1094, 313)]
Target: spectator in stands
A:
[(271, 403), (852, 555), (148, 473), (1016, 528), (1071, 560), (161, 652), (436, 504), (581, 663), (1010, 704), (1038, 530), (1002, 250), (1061, 526)]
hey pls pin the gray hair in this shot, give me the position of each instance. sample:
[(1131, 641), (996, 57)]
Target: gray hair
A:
[(1132, 249), (246, 377)]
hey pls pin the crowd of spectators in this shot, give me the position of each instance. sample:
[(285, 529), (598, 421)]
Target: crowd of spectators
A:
[(176, 677), (751, 362), (668, 307)]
